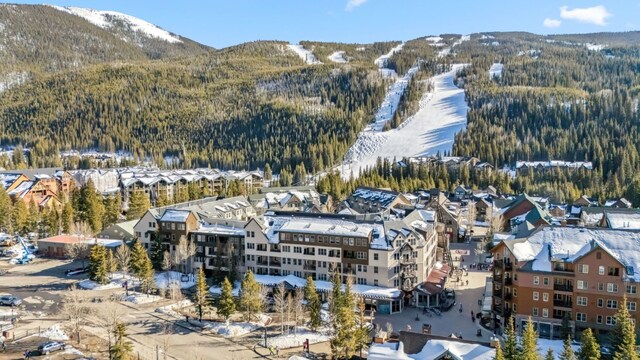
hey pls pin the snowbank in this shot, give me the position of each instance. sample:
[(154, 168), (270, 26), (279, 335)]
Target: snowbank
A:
[(55, 333), (304, 54), (338, 57), (286, 341), (164, 280), (382, 60), (234, 329), (171, 309), (139, 298), (117, 280)]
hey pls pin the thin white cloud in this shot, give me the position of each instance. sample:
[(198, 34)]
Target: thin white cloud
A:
[(352, 4), (596, 15), (551, 23)]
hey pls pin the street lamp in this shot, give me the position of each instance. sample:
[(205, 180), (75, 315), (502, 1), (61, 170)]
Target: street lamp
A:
[(265, 336)]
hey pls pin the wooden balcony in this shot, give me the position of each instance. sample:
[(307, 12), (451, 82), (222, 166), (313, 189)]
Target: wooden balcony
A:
[(563, 287)]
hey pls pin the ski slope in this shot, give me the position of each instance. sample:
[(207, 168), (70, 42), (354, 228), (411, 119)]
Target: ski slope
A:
[(338, 57), (496, 70), (441, 115), (304, 54), (391, 101)]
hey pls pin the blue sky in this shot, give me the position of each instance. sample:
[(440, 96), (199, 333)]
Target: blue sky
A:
[(222, 23)]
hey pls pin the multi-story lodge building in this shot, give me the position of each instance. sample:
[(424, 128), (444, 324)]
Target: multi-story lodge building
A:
[(562, 271), (385, 254)]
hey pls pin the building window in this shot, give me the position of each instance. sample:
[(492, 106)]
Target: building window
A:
[(600, 286), (611, 287), (545, 312), (600, 270), (631, 306), (536, 296), (536, 280), (582, 285), (583, 268), (545, 281), (581, 301), (362, 281), (598, 255), (545, 296), (375, 282), (582, 317), (614, 271), (600, 303), (297, 249), (375, 269), (322, 252), (612, 304), (534, 311), (611, 320), (599, 319), (631, 289), (515, 308), (515, 292), (375, 256), (251, 245)]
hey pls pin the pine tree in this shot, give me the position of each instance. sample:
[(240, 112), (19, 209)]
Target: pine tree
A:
[(110, 262), (250, 297), (314, 304), (267, 172), (98, 271), (200, 298), (511, 351), (162, 199), (529, 343), (91, 207), (113, 209), (5, 210), (137, 262), (335, 312), (499, 353), (146, 273), (549, 355), (156, 253), (122, 349), (226, 304), (67, 218), (590, 349), (139, 203), (567, 350), (33, 217), (565, 326), (343, 341), (20, 217), (625, 345)]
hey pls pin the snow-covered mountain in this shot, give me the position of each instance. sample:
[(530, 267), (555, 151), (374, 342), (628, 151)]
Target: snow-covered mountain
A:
[(126, 26)]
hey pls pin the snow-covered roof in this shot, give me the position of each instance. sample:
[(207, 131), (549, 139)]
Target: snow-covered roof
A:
[(382, 197), (175, 215), (432, 350), (616, 220), (273, 280), (555, 163), (220, 229), (567, 244), (274, 224)]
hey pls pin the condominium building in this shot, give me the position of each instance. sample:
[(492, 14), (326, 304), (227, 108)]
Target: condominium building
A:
[(386, 254), (579, 273)]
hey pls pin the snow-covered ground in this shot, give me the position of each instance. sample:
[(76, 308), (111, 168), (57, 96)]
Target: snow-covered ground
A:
[(594, 47), (164, 280), (338, 57), (304, 54), (556, 345), (442, 114), (216, 290), (12, 79), (117, 279), (496, 70), (106, 19), (290, 340), (234, 329), (139, 298)]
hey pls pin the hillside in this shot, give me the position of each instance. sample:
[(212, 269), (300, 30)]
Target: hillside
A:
[(36, 39)]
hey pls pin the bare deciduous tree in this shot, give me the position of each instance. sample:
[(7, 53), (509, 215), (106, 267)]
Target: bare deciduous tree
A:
[(184, 251), (109, 312), (76, 308), (280, 299), (167, 331), (123, 258), (78, 251), (297, 309), (175, 292)]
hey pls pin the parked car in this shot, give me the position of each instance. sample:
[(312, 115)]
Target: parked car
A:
[(9, 300), (76, 271), (50, 346)]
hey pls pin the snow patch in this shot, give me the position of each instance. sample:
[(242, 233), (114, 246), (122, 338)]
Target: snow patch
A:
[(139, 298), (55, 333), (235, 329), (304, 54), (165, 280), (291, 340), (338, 57), (116, 281), (106, 19), (171, 310), (496, 70), (434, 39), (12, 79), (594, 47)]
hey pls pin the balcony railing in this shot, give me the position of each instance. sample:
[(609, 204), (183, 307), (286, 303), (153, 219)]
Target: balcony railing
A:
[(497, 277), (508, 266), (562, 303), (497, 292), (309, 266), (407, 261), (563, 287), (498, 264), (560, 316), (275, 263), (262, 262), (498, 309)]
